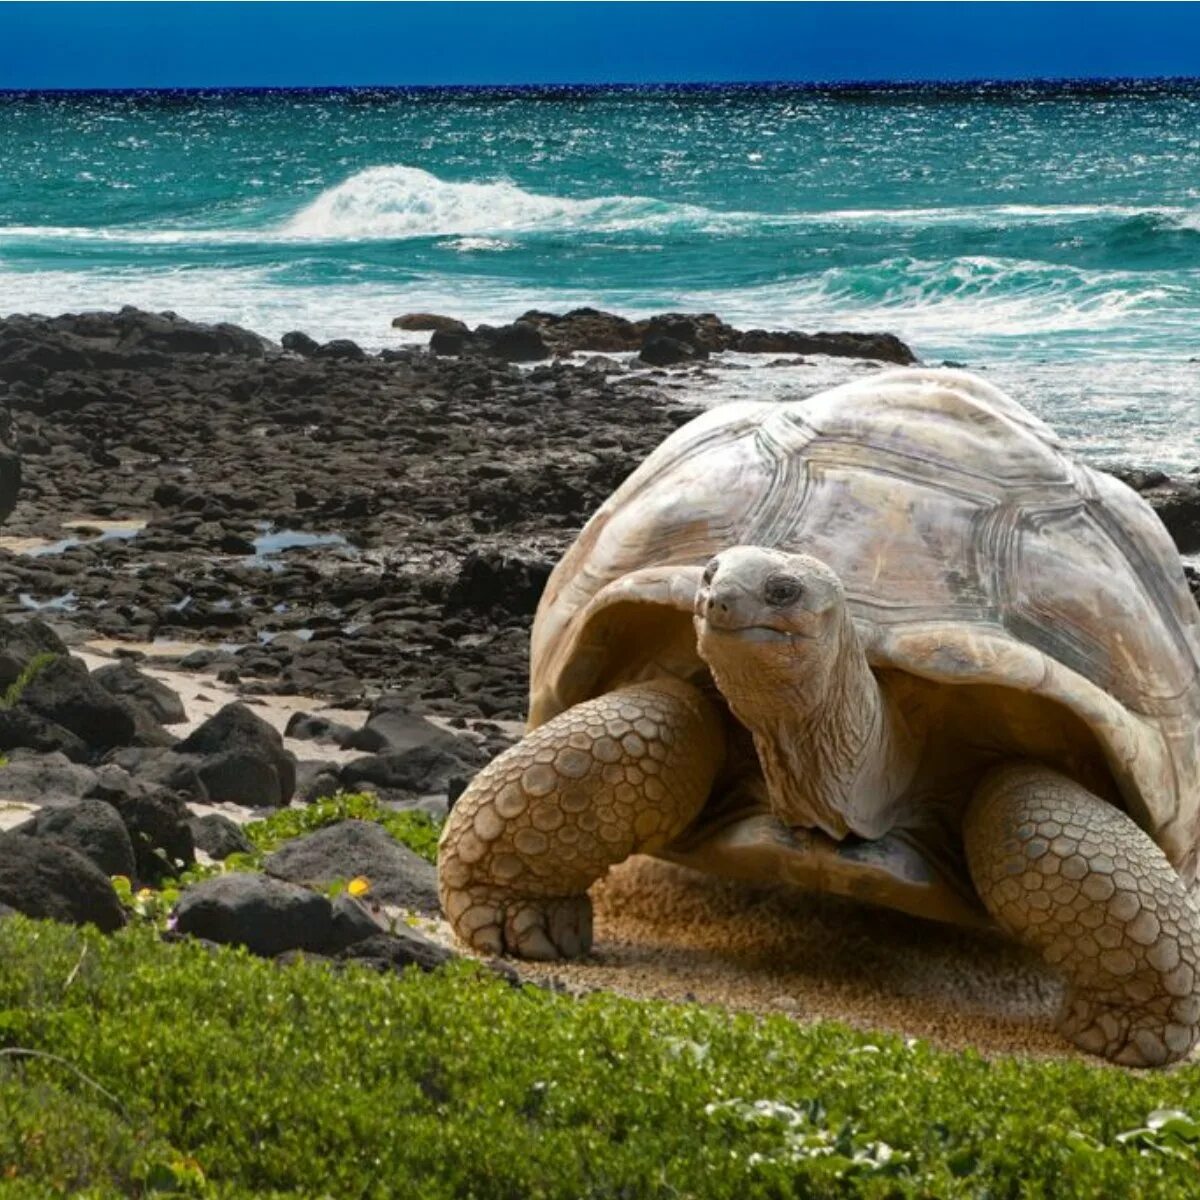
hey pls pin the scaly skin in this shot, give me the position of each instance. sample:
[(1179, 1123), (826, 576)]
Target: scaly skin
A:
[(1075, 878), (618, 775)]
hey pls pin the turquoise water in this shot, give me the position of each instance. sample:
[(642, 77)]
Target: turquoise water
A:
[(1038, 233)]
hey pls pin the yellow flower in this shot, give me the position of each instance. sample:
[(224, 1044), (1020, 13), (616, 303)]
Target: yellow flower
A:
[(145, 893), (360, 885)]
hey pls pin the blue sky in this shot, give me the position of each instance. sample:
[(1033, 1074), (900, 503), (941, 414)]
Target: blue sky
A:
[(111, 45)]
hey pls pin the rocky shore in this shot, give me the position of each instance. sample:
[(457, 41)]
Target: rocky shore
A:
[(370, 531)]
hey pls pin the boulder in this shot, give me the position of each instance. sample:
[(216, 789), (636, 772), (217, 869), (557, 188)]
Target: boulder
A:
[(22, 729), (300, 343), (316, 779), (219, 837), (157, 765), (453, 343), (307, 727), (125, 680), (267, 916), (395, 951), (661, 351), (350, 848), (171, 334), (22, 641), (392, 727), (706, 332), (91, 827), (351, 923), (342, 349), (158, 822), (585, 329), (883, 347), (1177, 503), (10, 480), (501, 581), (64, 693), (49, 779), (422, 322), (241, 759), (518, 342), (421, 770), (48, 880)]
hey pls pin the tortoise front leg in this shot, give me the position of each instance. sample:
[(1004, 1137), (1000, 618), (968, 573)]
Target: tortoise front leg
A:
[(1075, 878), (621, 774)]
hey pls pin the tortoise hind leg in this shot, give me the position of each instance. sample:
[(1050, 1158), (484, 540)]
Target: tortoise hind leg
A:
[(1074, 877), (621, 774)]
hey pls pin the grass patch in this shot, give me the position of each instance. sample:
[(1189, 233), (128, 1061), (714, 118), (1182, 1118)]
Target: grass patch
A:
[(213, 1073)]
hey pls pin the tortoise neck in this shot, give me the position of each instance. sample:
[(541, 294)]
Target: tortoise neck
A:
[(838, 755)]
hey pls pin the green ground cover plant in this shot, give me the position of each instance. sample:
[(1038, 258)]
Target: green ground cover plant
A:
[(179, 1069), (416, 829)]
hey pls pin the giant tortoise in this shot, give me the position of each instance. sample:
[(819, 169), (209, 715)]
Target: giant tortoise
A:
[(891, 642)]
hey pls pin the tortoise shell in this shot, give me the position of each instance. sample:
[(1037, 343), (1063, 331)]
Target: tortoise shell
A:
[(973, 550)]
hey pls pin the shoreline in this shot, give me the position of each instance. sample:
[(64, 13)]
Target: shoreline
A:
[(306, 531)]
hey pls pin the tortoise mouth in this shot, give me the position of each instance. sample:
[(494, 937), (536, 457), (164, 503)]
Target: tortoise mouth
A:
[(753, 633)]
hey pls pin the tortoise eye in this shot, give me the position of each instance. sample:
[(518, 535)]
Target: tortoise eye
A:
[(781, 590), (711, 570)]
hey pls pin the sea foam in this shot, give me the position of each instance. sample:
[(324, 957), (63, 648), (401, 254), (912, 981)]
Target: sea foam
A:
[(407, 202)]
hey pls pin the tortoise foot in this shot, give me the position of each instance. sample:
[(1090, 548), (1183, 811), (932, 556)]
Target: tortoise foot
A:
[(1150, 1035), (542, 928)]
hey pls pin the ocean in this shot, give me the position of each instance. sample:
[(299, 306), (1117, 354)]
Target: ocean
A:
[(1047, 236)]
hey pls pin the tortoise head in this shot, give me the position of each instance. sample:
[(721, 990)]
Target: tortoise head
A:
[(772, 624), (777, 636)]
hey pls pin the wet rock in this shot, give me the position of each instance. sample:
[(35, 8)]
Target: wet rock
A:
[(300, 343), (420, 322), (883, 347), (91, 827), (1177, 503), (668, 352), (452, 343), (518, 342), (351, 848), (706, 333), (342, 349), (171, 334), (219, 837), (585, 329), (51, 881), (125, 680), (267, 916), (241, 759)]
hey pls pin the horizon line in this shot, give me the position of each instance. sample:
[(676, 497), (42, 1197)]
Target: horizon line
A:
[(1065, 82)]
